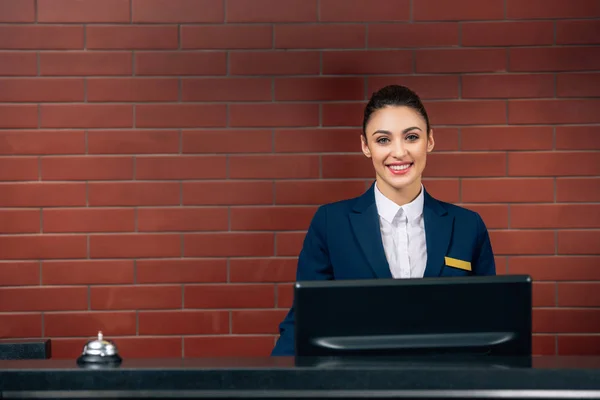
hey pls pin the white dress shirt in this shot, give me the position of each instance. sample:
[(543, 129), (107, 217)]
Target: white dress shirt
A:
[(403, 235)]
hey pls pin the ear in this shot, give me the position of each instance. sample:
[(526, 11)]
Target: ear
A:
[(364, 147), (430, 141)]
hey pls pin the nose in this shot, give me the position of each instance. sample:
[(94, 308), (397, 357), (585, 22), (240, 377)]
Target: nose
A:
[(398, 150)]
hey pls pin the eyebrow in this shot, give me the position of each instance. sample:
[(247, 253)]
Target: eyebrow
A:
[(389, 133)]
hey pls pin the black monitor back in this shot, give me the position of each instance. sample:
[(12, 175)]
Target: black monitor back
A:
[(479, 315)]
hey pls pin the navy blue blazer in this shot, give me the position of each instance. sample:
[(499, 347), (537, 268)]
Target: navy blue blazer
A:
[(344, 242)]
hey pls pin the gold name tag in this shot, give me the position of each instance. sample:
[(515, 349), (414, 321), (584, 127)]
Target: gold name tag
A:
[(453, 262)]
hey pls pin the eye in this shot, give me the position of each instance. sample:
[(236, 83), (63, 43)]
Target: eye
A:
[(382, 140), (412, 137)]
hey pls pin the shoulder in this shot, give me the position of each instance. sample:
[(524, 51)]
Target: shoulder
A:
[(464, 218)]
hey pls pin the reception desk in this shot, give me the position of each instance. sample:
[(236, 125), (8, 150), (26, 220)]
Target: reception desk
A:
[(321, 378)]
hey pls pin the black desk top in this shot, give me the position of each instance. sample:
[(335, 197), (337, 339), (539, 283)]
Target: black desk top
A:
[(265, 376)]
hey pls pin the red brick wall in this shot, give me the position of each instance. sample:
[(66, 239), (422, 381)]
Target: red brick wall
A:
[(161, 159)]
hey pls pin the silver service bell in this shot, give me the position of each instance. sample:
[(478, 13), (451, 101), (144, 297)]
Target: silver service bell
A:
[(100, 352)]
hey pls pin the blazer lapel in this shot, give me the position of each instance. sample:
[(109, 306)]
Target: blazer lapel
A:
[(438, 231), (365, 224)]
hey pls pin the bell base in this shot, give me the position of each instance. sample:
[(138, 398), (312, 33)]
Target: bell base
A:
[(89, 360)]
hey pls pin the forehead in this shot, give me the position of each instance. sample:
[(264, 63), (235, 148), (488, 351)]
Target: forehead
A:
[(394, 118)]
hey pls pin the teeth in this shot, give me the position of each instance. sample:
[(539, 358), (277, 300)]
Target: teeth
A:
[(399, 167)]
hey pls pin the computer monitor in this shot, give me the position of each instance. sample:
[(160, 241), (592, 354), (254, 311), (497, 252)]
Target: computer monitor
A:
[(475, 315)]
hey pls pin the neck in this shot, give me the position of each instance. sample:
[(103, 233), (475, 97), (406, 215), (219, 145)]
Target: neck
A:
[(401, 196)]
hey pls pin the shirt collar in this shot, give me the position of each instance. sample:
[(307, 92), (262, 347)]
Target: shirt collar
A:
[(387, 209)]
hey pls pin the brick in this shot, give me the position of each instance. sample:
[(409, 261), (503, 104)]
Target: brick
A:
[(133, 193), (86, 220), (132, 141), (578, 85), (346, 36), (343, 115), (17, 11), (579, 242), (508, 190), (228, 346), (467, 112), (256, 321), (42, 194), (364, 11), (135, 246), (507, 138), (18, 169), (426, 86), (577, 189), (18, 63), (577, 32), (271, 11), (578, 345), (229, 296), (135, 297), (183, 322), (245, 270), (38, 142), (273, 166), (132, 89), (554, 59), (20, 325), (88, 324), (516, 9), (18, 116), (578, 137), (317, 140), (129, 347), (555, 216), (274, 63), (180, 115), (181, 167), (460, 60), (227, 141), (182, 219), (522, 242), (228, 193), (464, 165), (507, 86), (578, 294), (180, 63), (182, 271), (86, 116), (228, 244), (271, 218), (443, 189), (26, 273), (350, 166), (557, 268), (319, 89), (367, 62), (553, 163), (43, 299), (543, 345), (35, 247), (413, 35), (41, 90), (86, 11), (285, 295), (544, 294), (226, 89), (530, 33), (267, 115), (226, 37), (458, 10), (87, 272), (566, 321), (86, 168), (40, 37), (495, 216), (553, 111), (317, 191), (100, 63), (132, 37), (177, 11)]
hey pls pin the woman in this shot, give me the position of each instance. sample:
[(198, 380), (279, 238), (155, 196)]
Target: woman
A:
[(395, 229)]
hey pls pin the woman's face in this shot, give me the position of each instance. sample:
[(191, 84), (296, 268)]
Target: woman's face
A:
[(397, 143)]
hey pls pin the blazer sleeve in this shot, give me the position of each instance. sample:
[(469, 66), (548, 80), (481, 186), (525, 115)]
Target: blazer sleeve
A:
[(484, 263), (313, 264)]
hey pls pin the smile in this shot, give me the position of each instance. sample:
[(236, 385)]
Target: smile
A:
[(400, 169)]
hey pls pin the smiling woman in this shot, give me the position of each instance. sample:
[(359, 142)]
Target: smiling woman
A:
[(396, 229)]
